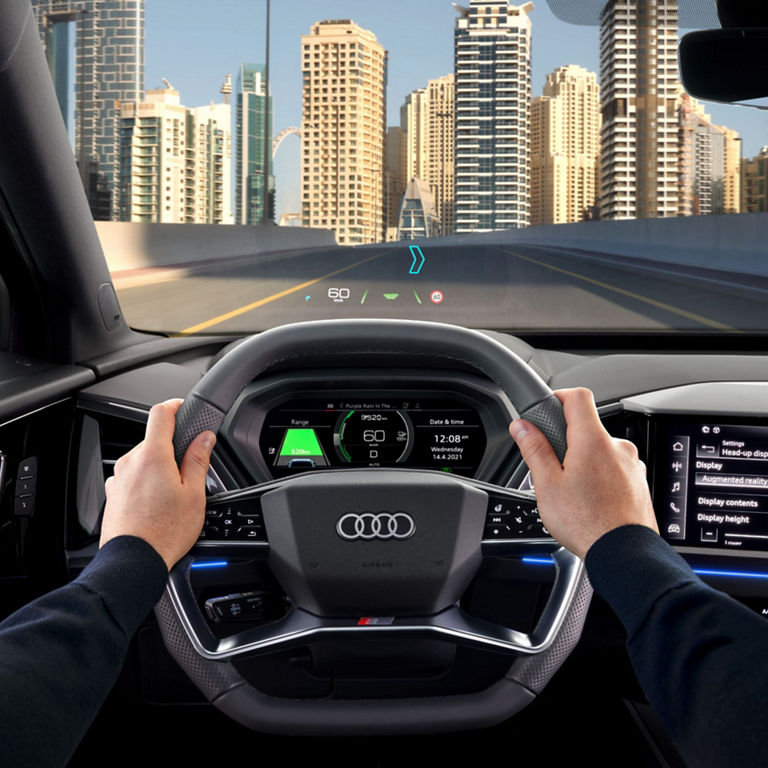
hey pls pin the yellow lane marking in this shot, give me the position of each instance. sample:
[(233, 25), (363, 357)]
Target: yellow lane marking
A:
[(631, 294), (274, 297)]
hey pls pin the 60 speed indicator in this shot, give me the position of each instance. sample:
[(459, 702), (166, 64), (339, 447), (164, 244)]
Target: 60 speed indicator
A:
[(373, 437)]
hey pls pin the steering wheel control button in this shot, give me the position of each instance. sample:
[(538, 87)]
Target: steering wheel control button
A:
[(25, 486), (250, 532), (497, 532), (24, 506), (27, 468), (245, 606), (234, 520), (513, 518), (26, 480)]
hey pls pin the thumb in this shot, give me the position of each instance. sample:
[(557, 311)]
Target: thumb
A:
[(537, 451), (194, 465)]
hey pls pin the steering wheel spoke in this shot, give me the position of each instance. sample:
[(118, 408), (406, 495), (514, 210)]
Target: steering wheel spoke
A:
[(452, 624)]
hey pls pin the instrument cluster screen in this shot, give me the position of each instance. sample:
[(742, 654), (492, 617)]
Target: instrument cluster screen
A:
[(712, 485), (308, 434)]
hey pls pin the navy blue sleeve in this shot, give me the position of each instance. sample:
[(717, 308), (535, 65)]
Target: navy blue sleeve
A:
[(700, 656), (61, 654)]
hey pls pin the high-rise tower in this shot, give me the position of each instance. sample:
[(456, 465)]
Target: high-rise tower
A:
[(492, 64), (109, 69), (710, 163), (343, 129), (565, 147), (427, 124), (393, 185), (754, 183), (176, 163), (252, 99), (638, 80)]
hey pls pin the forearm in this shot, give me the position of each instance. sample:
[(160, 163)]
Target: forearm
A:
[(60, 655), (698, 654)]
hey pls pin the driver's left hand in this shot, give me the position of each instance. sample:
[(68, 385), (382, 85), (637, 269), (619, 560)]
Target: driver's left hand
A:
[(150, 497)]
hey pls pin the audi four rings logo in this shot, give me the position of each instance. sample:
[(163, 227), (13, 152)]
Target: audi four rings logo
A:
[(370, 525)]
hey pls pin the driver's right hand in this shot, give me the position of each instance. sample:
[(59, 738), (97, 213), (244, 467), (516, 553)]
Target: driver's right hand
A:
[(601, 484)]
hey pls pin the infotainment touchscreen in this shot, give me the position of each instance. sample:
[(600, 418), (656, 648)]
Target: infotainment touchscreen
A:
[(711, 485)]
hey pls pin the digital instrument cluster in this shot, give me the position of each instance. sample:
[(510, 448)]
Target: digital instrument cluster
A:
[(711, 488), (419, 433)]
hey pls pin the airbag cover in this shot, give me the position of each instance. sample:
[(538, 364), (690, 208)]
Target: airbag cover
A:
[(409, 545)]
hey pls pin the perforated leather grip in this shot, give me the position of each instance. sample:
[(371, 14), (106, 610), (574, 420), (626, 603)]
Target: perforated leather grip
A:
[(549, 418), (195, 416), (534, 672)]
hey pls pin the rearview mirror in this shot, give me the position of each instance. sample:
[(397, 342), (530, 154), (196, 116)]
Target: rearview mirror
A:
[(725, 64)]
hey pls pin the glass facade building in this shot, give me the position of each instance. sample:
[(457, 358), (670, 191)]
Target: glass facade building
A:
[(249, 162), (109, 69), (418, 215)]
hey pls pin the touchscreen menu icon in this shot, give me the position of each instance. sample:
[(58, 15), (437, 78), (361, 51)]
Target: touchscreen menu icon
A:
[(676, 497)]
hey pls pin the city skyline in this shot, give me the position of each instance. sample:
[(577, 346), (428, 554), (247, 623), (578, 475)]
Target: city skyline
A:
[(418, 52), (643, 143)]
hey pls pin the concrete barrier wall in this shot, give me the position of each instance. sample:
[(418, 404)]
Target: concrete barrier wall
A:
[(737, 243), (129, 246)]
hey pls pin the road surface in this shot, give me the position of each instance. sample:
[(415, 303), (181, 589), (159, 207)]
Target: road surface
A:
[(516, 287)]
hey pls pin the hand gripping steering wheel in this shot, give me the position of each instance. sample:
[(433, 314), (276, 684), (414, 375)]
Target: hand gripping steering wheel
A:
[(434, 556)]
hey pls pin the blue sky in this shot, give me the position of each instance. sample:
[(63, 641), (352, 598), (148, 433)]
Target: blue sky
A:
[(195, 43)]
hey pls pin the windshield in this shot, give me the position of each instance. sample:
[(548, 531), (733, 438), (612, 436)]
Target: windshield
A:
[(483, 163)]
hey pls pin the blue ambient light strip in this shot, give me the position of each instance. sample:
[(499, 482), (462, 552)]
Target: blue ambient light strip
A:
[(210, 564), (699, 571), (736, 574)]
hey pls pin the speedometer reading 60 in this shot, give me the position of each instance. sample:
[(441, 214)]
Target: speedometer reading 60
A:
[(373, 437)]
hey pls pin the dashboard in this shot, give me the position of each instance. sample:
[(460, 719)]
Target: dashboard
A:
[(705, 443)]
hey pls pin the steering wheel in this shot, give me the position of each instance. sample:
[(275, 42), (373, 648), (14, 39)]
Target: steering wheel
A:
[(319, 528)]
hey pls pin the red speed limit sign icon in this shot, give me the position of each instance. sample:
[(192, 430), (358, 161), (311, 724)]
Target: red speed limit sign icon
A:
[(436, 297)]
